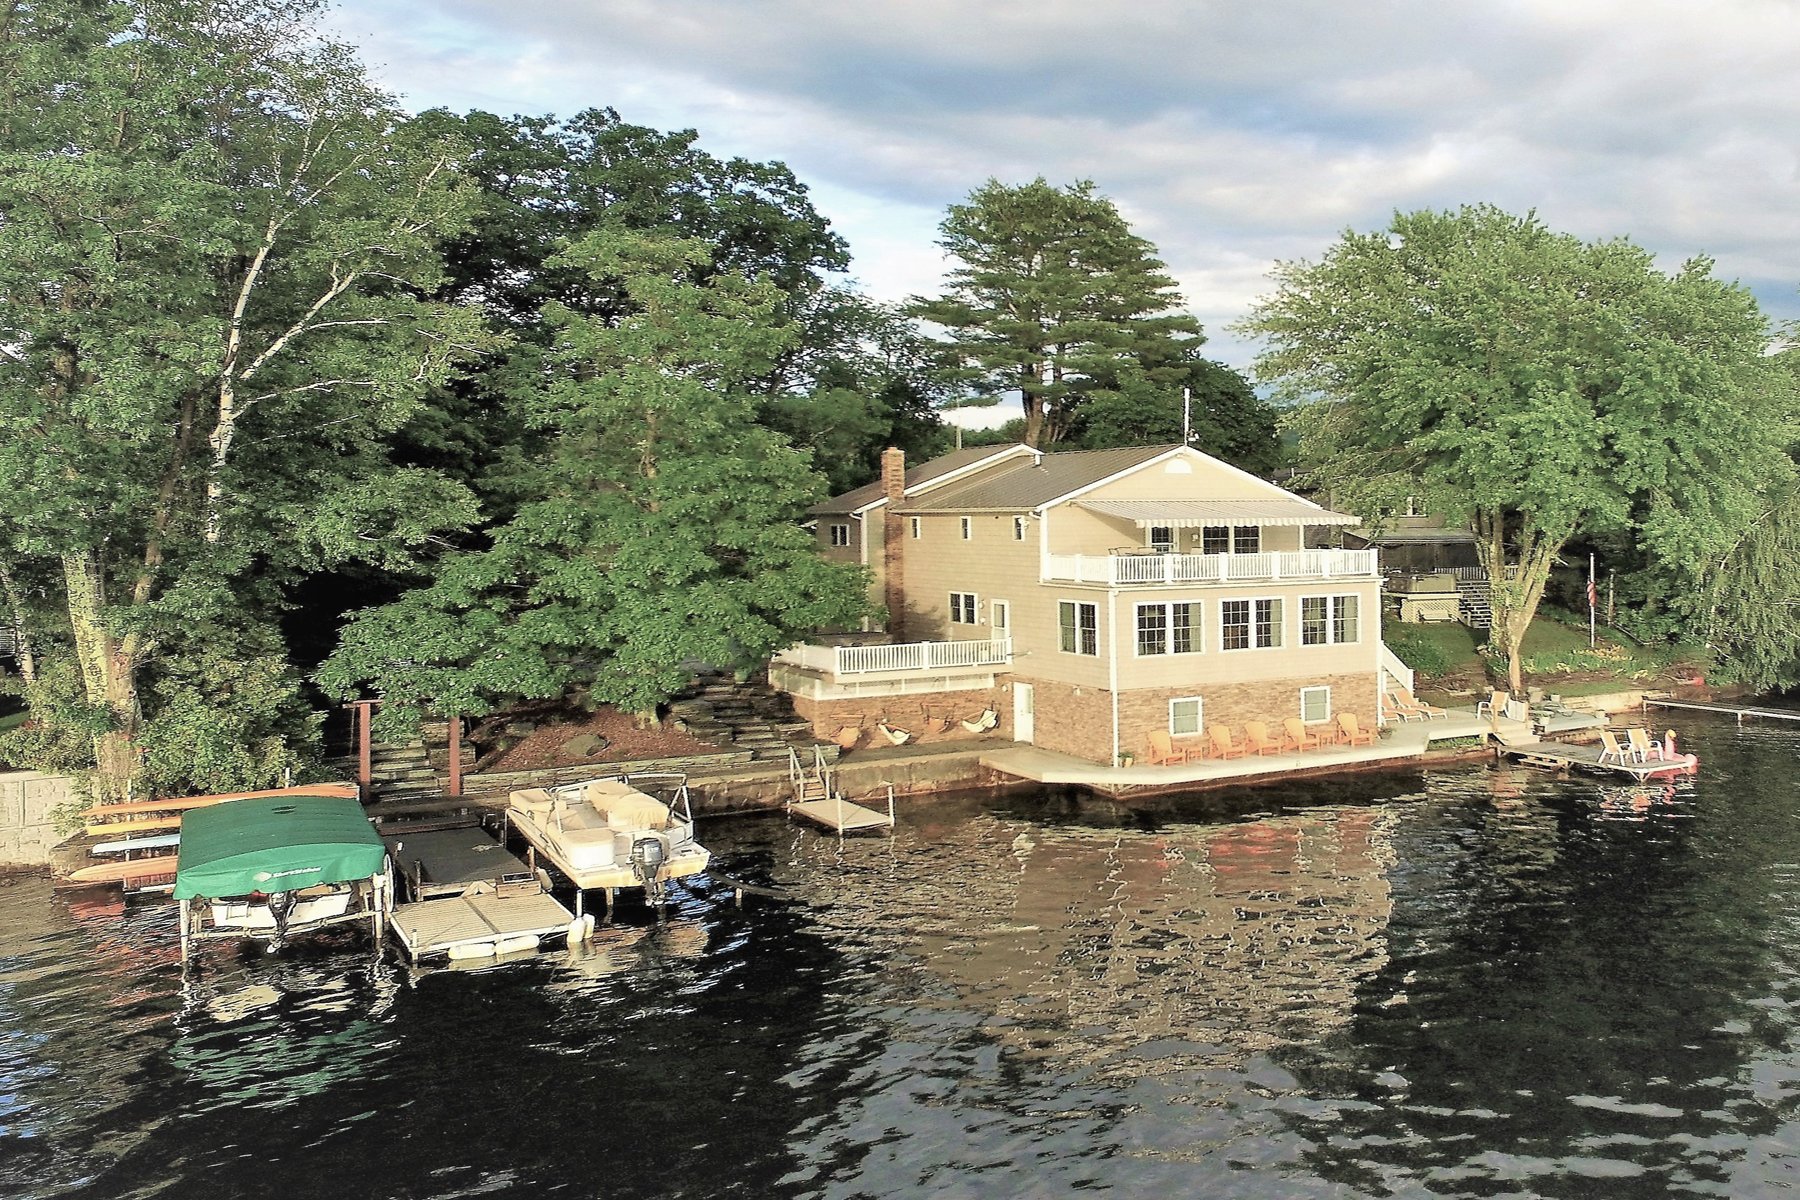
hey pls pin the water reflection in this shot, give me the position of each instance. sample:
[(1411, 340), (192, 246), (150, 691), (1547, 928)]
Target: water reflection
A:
[(1484, 981)]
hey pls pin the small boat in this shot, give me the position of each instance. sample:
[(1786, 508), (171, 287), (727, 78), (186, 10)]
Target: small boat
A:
[(270, 867), (613, 833)]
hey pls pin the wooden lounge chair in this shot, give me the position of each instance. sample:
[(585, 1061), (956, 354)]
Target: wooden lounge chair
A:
[(1224, 742), (1391, 711), (895, 737), (1611, 751), (1256, 735), (849, 734), (1495, 705), (1298, 737), (1163, 750), (1351, 732), (986, 721), (1412, 707)]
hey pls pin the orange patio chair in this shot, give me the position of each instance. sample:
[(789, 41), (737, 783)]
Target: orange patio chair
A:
[(1224, 742), (1256, 733), (1163, 750), (1412, 707), (1299, 737), (1351, 732)]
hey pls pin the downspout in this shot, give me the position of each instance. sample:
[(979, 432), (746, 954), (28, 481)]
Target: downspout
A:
[(1112, 664)]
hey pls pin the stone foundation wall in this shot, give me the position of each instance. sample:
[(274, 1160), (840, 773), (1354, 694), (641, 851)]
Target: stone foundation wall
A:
[(1072, 720), (908, 712), (26, 832)]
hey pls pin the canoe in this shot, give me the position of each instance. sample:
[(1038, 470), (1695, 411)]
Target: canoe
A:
[(100, 817), (161, 841), (129, 872)]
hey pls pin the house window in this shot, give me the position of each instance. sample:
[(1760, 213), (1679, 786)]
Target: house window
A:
[(1315, 704), (1162, 537), (1215, 539), (1018, 529), (1249, 624), (1246, 539), (917, 527), (1185, 713), (1169, 628), (840, 535), (1326, 620), (968, 528), (962, 608), (1079, 627)]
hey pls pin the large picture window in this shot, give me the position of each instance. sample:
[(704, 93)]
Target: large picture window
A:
[(1078, 627), (1329, 620), (1250, 624), (1172, 628)]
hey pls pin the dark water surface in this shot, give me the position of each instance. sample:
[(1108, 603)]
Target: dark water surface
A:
[(1469, 982)]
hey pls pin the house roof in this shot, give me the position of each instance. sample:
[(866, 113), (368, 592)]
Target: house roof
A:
[(1271, 510), (925, 473), (1022, 485)]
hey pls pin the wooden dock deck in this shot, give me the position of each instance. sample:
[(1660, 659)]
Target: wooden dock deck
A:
[(479, 925), (841, 816), (1561, 756), (1729, 710)]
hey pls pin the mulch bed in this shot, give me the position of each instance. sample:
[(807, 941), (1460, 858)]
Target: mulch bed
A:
[(543, 747)]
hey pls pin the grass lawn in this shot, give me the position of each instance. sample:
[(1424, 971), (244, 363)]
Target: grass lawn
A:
[(1555, 656)]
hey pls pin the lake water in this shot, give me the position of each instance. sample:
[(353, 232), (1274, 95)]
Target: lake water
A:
[(1477, 981)]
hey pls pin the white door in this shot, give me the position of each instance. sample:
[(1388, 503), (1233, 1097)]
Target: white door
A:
[(1000, 619), (1024, 712)]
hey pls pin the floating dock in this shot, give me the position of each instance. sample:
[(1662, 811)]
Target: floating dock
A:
[(471, 897), (1561, 757), (841, 815), (1729, 710)]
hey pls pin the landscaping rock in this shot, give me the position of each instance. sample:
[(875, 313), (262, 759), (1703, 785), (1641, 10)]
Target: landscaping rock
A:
[(585, 745)]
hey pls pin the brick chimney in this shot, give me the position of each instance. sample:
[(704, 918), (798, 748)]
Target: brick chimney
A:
[(893, 541)]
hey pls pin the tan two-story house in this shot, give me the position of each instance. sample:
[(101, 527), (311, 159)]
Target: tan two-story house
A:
[(1088, 598)]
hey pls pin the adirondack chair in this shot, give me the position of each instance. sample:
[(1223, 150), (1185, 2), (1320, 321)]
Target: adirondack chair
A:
[(1256, 735), (1351, 732), (1298, 737), (1412, 707), (1163, 750), (1224, 742)]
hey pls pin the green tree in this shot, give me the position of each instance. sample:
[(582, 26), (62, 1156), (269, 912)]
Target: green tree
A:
[(1051, 291), (214, 237), (1529, 384), (1227, 419), (665, 530)]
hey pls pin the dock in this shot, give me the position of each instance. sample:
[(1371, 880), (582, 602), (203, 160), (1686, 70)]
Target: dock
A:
[(842, 816), (1561, 756), (470, 896), (1729, 710)]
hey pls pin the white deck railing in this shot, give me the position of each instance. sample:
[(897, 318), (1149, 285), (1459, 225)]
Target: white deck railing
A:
[(1151, 569), (905, 656)]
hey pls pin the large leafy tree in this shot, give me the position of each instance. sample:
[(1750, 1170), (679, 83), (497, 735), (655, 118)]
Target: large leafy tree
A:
[(665, 525), (215, 240), (1051, 292), (1529, 384), (1225, 416)]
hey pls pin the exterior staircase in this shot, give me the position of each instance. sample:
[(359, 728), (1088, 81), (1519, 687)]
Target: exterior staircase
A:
[(398, 771), (749, 716), (1476, 597)]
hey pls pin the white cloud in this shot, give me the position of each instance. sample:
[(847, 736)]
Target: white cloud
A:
[(1233, 135)]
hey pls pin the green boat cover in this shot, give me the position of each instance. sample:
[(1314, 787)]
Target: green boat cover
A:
[(274, 844)]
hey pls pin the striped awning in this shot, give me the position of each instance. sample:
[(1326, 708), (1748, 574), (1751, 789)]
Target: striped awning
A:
[(1181, 514)]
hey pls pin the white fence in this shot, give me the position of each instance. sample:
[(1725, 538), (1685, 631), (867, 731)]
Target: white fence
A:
[(906, 656), (1151, 569)]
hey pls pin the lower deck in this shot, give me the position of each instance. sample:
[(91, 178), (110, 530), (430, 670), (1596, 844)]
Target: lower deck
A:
[(479, 925)]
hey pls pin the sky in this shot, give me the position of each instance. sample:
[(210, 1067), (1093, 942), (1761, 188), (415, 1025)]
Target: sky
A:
[(1231, 133)]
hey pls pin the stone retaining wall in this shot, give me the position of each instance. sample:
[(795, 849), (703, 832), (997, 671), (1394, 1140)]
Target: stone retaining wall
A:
[(26, 801)]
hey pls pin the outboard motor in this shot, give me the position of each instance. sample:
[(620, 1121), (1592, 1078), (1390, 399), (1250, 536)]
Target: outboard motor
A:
[(647, 858)]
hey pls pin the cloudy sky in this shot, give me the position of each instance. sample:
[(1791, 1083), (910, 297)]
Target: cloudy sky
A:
[(1231, 133)]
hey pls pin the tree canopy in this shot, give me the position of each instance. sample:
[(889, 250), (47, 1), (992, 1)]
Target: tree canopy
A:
[(1530, 385), (1053, 292)]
